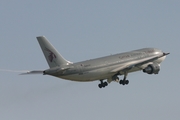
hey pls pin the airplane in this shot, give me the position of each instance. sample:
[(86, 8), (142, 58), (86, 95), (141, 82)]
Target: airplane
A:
[(106, 68)]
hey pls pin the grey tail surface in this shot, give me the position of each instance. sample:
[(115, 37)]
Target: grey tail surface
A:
[(52, 56)]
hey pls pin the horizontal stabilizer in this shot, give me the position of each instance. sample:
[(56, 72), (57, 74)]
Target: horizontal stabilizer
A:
[(33, 72)]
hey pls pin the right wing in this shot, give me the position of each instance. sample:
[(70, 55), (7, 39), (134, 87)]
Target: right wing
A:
[(136, 63)]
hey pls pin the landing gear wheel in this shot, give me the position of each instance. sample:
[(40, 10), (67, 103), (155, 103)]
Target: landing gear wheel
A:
[(127, 82), (102, 84), (121, 81), (124, 82), (105, 84)]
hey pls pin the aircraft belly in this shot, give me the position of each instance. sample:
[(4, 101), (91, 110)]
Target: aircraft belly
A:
[(89, 75), (135, 69)]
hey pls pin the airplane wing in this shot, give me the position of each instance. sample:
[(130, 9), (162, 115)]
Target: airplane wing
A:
[(136, 63)]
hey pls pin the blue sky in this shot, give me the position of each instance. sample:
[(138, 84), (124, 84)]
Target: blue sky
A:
[(83, 30)]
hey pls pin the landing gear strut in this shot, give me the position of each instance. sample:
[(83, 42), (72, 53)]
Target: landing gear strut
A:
[(102, 84), (124, 81)]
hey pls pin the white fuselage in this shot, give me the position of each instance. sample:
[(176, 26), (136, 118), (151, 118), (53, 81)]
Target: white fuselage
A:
[(100, 68)]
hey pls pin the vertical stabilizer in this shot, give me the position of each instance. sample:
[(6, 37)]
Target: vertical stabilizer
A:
[(51, 54)]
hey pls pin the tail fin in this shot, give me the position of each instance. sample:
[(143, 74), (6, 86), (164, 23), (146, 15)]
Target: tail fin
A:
[(52, 56)]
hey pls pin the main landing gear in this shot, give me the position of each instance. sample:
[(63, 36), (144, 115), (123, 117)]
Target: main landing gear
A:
[(124, 81), (115, 78), (102, 84)]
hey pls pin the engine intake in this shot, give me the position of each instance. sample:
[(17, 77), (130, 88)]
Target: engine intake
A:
[(152, 69)]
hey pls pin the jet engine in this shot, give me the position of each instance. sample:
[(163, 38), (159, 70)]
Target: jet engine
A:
[(152, 69)]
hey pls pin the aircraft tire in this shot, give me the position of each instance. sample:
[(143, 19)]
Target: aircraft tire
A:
[(127, 82), (121, 81), (105, 84), (100, 86)]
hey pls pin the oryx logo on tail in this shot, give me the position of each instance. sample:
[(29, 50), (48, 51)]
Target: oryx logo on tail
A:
[(51, 55)]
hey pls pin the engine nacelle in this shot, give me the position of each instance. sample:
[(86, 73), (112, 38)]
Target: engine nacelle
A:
[(152, 69)]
